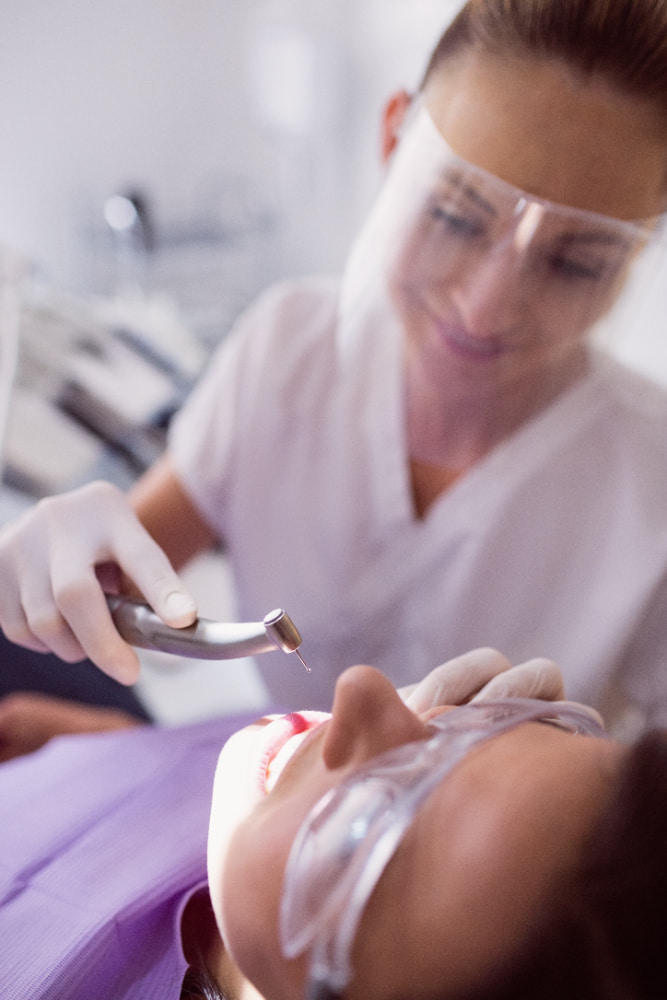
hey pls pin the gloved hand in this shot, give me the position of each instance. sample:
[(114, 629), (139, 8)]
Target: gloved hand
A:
[(484, 675), (54, 563)]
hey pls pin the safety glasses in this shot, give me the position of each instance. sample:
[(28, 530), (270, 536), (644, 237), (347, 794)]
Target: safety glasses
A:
[(351, 834), (469, 212), (444, 227)]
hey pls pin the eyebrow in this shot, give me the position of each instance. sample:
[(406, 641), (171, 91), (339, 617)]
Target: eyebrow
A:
[(470, 192), (595, 239), (598, 238)]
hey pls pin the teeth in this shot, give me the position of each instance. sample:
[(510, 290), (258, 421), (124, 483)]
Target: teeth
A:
[(278, 762)]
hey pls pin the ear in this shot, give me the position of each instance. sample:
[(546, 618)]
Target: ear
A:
[(392, 118)]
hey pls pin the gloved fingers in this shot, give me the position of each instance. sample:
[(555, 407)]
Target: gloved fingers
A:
[(92, 633), (80, 598), (114, 534), (13, 619), (15, 627), (457, 681), (537, 678), (31, 618), (406, 690), (144, 562), (51, 598), (47, 628)]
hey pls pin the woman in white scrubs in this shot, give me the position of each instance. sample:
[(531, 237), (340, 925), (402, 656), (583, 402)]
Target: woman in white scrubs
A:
[(432, 455)]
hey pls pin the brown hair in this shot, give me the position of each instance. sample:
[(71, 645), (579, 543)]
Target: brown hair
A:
[(624, 40), (604, 938)]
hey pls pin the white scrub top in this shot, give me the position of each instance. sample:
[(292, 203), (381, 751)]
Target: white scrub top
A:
[(555, 544)]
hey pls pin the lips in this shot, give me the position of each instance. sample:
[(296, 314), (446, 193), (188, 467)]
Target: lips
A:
[(477, 347), (280, 741), (468, 345), (462, 342)]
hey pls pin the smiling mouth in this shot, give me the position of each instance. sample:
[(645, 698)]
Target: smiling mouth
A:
[(459, 341), (284, 737), (469, 346)]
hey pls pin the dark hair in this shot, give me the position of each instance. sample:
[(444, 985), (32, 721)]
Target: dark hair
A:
[(199, 984), (604, 938), (624, 40)]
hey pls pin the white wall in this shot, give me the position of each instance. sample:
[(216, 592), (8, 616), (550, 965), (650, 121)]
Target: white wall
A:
[(169, 94), (175, 95), (94, 95)]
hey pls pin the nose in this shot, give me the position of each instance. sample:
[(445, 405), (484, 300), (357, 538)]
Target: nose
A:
[(491, 294), (368, 718)]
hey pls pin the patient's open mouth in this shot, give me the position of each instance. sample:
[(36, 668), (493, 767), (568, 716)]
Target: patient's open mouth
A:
[(283, 737)]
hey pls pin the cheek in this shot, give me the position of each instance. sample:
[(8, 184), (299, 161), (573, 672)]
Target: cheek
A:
[(251, 878), (235, 796), (562, 321), (250, 889), (412, 284), (418, 260)]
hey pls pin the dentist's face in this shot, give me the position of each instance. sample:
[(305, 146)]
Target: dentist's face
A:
[(515, 319), (479, 861)]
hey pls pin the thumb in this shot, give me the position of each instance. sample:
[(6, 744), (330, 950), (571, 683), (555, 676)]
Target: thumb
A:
[(177, 607), (144, 563)]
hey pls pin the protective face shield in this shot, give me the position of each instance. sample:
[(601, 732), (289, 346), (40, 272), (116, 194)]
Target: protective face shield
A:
[(453, 253), (350, 835)]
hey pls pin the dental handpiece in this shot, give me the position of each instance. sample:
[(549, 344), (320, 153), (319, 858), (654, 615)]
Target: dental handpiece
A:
[(204, 639)]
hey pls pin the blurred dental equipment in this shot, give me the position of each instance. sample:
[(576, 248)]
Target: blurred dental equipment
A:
[(129, 219)]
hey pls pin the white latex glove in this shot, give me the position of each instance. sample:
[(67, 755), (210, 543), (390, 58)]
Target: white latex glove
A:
[(51, 562), (484, 675)]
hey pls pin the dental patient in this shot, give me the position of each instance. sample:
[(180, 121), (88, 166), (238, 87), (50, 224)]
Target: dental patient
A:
[(398, 847)]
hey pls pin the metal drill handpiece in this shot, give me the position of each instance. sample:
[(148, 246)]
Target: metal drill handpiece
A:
[(280, 627), (205, 639)]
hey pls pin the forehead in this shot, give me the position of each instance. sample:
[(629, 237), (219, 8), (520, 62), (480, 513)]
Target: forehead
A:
[(482, 858), (543, 128)]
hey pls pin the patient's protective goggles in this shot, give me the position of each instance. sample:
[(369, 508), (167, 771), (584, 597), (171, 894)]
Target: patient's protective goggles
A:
[(442, 224), (351, 834)]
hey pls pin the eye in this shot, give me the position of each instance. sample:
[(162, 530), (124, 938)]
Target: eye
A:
[(585, 256), (576, 269), (566, 267), (458, 222)]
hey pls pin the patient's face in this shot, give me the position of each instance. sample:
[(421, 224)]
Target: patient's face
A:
[(479, 861)]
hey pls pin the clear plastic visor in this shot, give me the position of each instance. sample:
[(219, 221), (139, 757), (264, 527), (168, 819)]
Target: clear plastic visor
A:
[(350, 835), (451, 236)]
